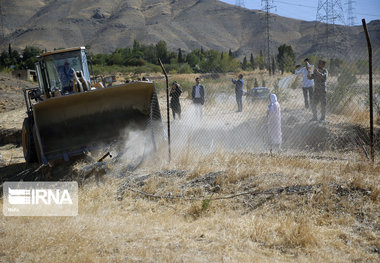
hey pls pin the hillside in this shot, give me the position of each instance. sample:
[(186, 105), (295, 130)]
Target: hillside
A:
[(186, 24)]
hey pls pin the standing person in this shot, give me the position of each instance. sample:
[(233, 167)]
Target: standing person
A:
[(307, 84), (198, 96), (175, 93), (274, 123), (319, 75), (239, 83)]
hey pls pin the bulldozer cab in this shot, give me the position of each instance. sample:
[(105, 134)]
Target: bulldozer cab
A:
[(58, 70)]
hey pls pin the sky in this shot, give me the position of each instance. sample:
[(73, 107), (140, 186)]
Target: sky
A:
[(307, 10)]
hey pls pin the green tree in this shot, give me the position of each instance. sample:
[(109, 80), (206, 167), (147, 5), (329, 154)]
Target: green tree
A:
[(260, 60), (172, 56), (150, 54), (116, 58), (136, 46), (192, 59), (286, 58), (5, 60), (29, 57), (98, 59), (162, 51), (211, 62), (274, 68), (252, 61), (256, 83), (244, 64), (180, 58), (15, 58), (229, 64)]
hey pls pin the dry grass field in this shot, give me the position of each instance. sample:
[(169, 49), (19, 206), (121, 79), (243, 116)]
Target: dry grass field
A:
[(285, 209), (215, 201)]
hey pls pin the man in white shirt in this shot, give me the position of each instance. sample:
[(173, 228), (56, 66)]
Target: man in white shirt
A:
[(307, 84), (198, 96)]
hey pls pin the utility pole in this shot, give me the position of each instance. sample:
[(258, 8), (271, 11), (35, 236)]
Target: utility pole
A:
[(267, 7)]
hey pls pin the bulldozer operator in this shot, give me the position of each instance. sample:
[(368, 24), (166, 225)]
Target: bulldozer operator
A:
[(66, 74)]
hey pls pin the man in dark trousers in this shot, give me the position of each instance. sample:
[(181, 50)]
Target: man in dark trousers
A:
[(239, 83), (319, 76), (175, 93), (198, 97)]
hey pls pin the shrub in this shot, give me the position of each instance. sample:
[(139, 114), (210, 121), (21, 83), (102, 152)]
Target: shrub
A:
[(185, 69), (341, 93), (281, 93)]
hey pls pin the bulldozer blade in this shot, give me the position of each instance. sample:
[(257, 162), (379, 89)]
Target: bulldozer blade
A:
[(73, 124)]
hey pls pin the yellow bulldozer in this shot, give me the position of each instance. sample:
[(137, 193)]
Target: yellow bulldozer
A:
[(69, 114)]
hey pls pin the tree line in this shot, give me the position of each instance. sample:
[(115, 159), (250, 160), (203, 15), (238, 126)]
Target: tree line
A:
[(199, 60), (12, 59)]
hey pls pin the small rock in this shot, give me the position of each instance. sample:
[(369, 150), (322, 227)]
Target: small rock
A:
[(98, 15)]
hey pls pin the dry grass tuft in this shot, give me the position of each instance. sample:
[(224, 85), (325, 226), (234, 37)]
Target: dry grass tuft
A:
[(284, 234), (375, 193)]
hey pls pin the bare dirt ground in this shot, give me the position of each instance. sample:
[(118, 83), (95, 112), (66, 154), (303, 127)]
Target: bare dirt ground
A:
[(12, 114), (317, 201)]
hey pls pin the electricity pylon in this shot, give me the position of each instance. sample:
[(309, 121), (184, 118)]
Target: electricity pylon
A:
[(350, 13), (330, 38)]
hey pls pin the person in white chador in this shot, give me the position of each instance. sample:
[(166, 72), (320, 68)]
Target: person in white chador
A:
[(274, 124)]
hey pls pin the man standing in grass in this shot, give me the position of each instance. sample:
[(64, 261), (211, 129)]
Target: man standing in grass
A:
[(307, 84), (198, 97), (319, 75), (239, 83)]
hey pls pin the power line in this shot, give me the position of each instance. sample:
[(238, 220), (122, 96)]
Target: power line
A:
[(378, 16), (287, 3)]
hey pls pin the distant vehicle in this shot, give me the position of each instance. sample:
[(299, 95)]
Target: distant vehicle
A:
[(258, 93)]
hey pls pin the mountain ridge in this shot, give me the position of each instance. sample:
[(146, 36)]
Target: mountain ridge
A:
[(185, 24)]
